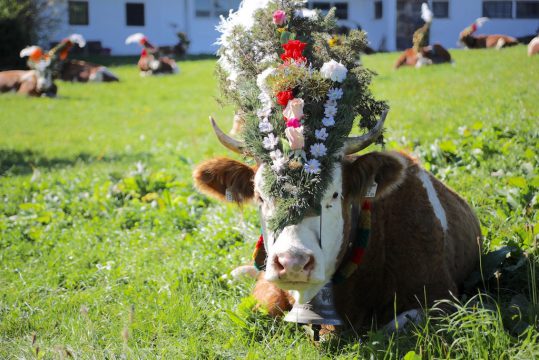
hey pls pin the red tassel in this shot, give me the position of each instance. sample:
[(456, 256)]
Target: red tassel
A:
[(366, 205), (260, 242), (358, 255)]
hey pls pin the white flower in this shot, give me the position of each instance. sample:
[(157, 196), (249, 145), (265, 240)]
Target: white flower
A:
[(262, 77), (335, 94), (331, 103), (276, 154), (265, 126), (270, 142), (318, 150), (328, 121), (278, 164), (330, 111), (312, 166), (334, 70), (321, 134), (264, 112)]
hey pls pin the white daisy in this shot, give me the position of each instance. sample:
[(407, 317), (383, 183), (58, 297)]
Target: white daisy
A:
[(330, 111), (312, 166), (278, 164), (335, 94), (270, 142), (318, 150), (321, 134), (328, 121), (265, 126)]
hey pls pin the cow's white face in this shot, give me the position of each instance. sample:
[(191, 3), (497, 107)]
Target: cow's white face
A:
[(303, 257)]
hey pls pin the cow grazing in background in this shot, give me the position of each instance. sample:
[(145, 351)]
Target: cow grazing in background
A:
[(471, 41), (36, 82), (533, 46), (421, 53), (77, 70), (424, 238), (151, 62), (432, 54)]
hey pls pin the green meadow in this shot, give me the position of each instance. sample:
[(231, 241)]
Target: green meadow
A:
[(108, 252)]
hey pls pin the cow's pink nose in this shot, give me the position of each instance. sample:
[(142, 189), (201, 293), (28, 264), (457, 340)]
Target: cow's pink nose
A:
[(293, 263)]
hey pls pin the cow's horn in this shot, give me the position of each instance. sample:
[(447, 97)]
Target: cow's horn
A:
[(229, 142), (358, 143)]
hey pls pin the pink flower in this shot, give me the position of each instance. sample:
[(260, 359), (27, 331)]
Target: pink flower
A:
[(279, 17), (294, 109), (295, 137), (295, 123)]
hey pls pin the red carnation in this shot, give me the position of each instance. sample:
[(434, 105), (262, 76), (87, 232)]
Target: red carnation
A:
[(293, 50), (284, 97)]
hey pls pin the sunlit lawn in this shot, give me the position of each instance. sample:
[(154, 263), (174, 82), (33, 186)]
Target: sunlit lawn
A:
[(100, 259)]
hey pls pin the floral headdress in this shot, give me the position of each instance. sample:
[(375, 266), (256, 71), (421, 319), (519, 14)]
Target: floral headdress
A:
[(298, 93)]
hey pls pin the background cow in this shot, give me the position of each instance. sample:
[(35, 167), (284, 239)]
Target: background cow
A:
[(77, 70), (467, 39), (151, 62), (424, 238), (421, 53), (433, 54), (36, 82)]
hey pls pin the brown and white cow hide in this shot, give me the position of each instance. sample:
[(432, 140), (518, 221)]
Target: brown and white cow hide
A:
[(25, 82), (83, 71), (148, 65), (425, 239), (432, 54), (487, 41)]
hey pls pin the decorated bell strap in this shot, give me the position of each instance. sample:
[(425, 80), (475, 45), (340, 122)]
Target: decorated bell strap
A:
[(357, 251), (260, 255)]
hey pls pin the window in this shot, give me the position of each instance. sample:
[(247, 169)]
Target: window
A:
[(340, 7), (440, 9), (134, 14), (378, 9), (78, 12), (215, 8), (498, 9), (527, 9)]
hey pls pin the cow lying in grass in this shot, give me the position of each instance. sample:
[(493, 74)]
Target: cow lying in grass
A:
[(432, 54), (77, 70), (471, 41), (36, 82), (424, 238), (151, 62)]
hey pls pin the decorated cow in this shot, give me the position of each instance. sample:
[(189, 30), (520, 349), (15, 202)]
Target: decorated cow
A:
[(35, 82), (151, 62), (471, 41), (386, 233), (422, 53), (77, 70)]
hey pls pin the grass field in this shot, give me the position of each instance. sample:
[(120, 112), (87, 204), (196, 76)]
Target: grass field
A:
[(107, 252)]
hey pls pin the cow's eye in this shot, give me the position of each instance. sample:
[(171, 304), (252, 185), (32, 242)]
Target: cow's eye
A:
[(335, 195), (258, 198)]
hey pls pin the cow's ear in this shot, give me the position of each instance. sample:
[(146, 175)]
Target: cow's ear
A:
[(225, 179), (387, 169)]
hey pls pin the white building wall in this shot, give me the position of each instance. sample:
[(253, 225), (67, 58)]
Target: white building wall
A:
[(107, 23), (164, 18)]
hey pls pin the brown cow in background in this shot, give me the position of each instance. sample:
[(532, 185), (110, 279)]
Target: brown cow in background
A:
[(471, 41), (36, 82)]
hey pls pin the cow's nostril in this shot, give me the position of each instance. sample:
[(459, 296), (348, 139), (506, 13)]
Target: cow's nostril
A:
[(278, 266), (310, 264)]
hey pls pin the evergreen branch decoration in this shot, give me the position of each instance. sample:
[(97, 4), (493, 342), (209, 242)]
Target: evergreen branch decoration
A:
[(300, 89)]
